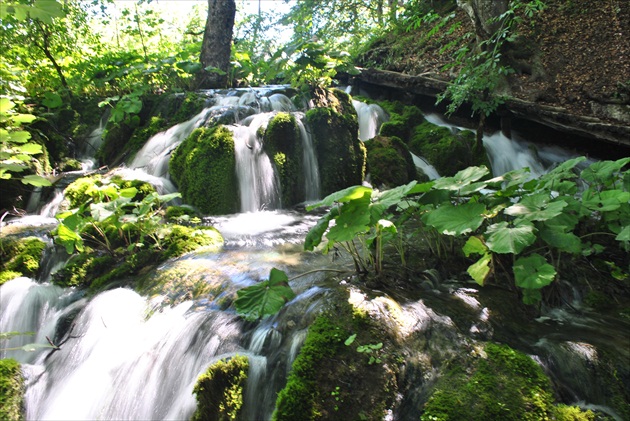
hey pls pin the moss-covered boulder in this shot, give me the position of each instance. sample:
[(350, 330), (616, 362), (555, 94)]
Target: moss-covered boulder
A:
[(282, 143), (389, 162), (11, 390), (402, 120), (204, 168), (342, 372), (219, 390), (500, 384), (20, 257), (447, 151), (92, 188), (340, 153)]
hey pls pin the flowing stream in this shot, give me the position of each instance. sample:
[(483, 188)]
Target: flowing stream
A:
[(127, 356)]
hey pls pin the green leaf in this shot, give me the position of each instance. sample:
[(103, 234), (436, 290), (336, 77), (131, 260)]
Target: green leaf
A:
[(531, 296), (480, 269), (68, 238), (52, 100), (353, 219), (537, 207), (265, 298), (36, 180), (350, 340), (341, 196), (394, 196), (474, 245), (29, 149), (604, 201), (501, 238), (563, 241), (456, 220), (533, 272), (19, 136), (46, 10), (624, 235), (602, 171), (314, 236), (461, 179), (23, 118)]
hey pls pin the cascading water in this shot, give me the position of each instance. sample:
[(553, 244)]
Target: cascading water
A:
[(125, 356), (258, 186), (370, 118)]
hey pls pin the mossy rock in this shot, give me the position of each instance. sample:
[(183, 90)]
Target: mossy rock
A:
[(340, 153), (180, 214), (86, 189), (219, 391), (20, 257), (402, 120), (204, 168), (282, 143), (11, 390), (501, 384), (389, 162), (448, 152), (330, 380)]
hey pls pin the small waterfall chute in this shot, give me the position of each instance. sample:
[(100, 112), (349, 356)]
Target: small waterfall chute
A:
[(370, 118)]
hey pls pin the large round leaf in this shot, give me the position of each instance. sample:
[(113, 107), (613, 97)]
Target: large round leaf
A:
[(533, 272), (265, 298), (456, 220), (461, 179), (505, 239)]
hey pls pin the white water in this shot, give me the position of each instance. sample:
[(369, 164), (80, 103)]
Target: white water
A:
[(258, 184), (370, 118), (311, 167)]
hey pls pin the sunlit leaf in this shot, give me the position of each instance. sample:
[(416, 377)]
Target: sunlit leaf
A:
[(19, 136), (537, 207), (501, 238), (474, 245), (36, 180), (265, 298), (30, 149), (52, 100), (341, 196), (23, 118), (480, 270)]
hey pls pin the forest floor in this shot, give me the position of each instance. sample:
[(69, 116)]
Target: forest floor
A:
[(571, 55)]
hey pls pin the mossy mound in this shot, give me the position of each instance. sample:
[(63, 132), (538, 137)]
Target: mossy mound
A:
[(448, 152), (204, 168), (219, 390), (20, 257), (11, 390), (501, 384), (332, 380), (86, 189), (389, 162), (99, 270), (340, 153), (282, 142)]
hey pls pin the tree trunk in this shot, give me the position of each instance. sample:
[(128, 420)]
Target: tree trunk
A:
[(217, 44), (484, 15)]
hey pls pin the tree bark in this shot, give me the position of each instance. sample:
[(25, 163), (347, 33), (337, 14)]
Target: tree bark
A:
[(217, 44)]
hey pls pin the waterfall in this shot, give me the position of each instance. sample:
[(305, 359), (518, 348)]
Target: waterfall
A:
[(92, 145), (428, 169), (370, 118), (311, 168), (258, 186)]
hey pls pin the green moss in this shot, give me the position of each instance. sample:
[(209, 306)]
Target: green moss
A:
[(20, 257), (503, 385), (70, 165), (86, 189), (572, 413), (300, 399), (448, 152), (219, 390), (179, 239), (333, 381), (282, 143), (83, 269), (340, 154), (11, 390), (204, 168), (389, 162), (180, 213)]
